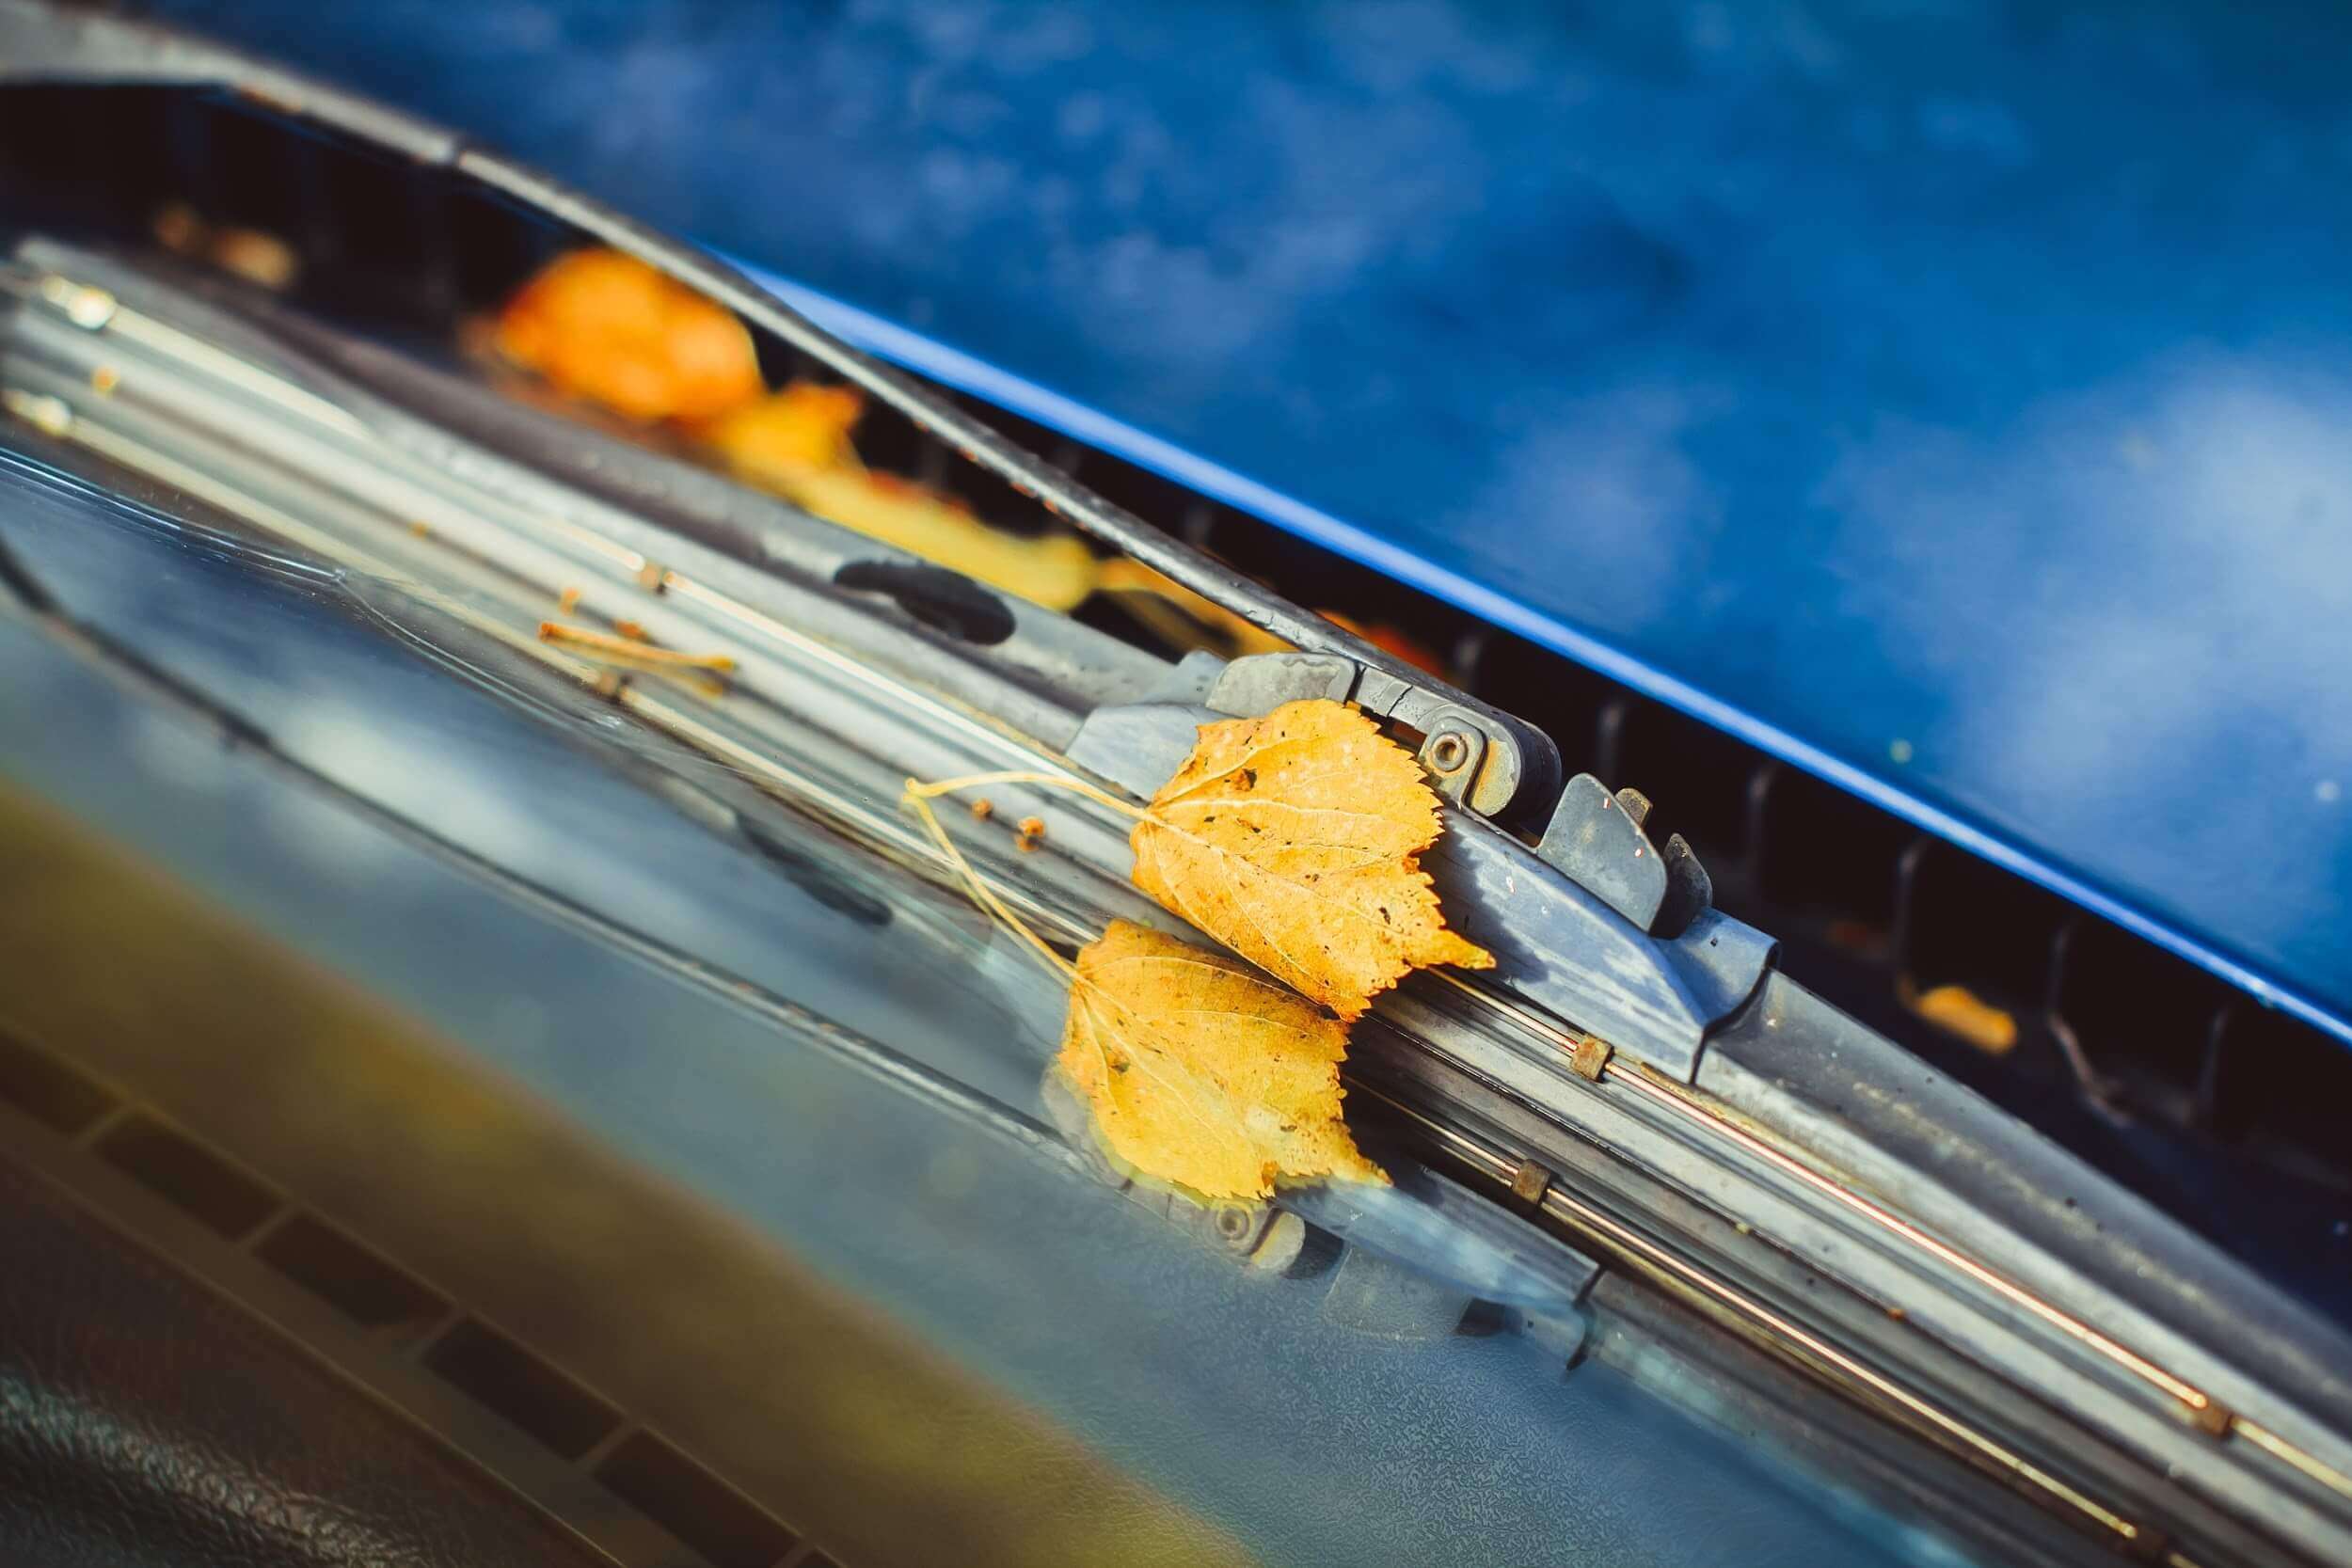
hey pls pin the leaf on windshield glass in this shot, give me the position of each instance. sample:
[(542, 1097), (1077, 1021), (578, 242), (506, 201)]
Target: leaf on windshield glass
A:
[(1296, 841), (607, 328), (1202, 1071)]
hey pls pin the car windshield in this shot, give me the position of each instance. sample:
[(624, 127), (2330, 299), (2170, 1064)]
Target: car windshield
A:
[(841, 1057)]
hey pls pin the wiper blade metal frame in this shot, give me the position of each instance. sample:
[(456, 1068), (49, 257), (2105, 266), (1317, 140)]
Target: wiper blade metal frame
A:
[(1489, 1079), (1514, 772)]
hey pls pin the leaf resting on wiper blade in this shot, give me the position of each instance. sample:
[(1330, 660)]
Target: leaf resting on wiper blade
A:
[(1296, 840), (1198, 1072)]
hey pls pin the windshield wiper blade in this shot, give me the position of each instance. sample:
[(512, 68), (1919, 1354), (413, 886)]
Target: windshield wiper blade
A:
[(1635, 1076)]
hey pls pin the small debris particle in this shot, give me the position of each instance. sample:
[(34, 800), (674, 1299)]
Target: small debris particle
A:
[(419, 528), (48, 415), (247, 253), (178, 229), (567, 601), (633, 630), (1899, 750), (983, 808), (1590, 1058), (256, 257), (1032, 827), (622, 650), (1856, 936), (104, 379), (650, 575), (1958, 1011)]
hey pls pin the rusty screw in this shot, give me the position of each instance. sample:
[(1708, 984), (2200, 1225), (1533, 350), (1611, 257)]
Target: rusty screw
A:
[(1448, 750)]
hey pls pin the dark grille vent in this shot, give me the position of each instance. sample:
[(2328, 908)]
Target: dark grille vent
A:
[(503, 1376), (708, 1515), (2283, 1086), (1968, 923), (173, 1165), (2147, 1030), (51, 1092), (389, 1308), (371, 1290)]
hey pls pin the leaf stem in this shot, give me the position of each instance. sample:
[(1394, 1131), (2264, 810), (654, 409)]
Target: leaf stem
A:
[(1054, 781), (981, 892)]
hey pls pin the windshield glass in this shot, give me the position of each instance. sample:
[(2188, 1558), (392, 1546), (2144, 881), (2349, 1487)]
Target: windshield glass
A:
[(842, 1057)]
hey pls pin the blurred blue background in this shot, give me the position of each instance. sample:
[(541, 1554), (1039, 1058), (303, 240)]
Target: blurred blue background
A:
[(1953, 398)]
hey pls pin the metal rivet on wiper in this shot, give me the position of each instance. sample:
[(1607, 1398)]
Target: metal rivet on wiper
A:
[(48, 415), (1590, 1058), (88, 308), (1448, 751), (1529, 1184)]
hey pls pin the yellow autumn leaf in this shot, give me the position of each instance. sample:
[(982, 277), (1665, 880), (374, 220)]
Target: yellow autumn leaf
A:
[(1296, 840), (1202, 1072)]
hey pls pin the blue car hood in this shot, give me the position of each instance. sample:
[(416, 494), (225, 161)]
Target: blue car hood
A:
[(1957, 403)]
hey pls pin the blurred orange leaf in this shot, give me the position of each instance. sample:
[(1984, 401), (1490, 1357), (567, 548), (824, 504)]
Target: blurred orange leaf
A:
[(803, 426), (609, 328)]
